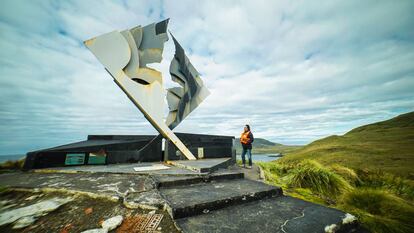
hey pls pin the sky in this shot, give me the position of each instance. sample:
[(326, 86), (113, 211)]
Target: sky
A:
[(296, 71)]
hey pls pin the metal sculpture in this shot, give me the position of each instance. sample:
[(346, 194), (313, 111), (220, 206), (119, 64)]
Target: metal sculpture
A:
[(183, 100), (125, 56)]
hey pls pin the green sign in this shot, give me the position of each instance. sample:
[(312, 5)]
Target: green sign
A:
[(75, 159), (94, 159)]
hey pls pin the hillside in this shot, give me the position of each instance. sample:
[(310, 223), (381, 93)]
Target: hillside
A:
[(386, 146), (263, 146)]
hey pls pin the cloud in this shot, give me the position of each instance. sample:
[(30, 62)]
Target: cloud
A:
[(295, 71)]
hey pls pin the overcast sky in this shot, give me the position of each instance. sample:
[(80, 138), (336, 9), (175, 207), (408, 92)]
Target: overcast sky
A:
[(295, 71)]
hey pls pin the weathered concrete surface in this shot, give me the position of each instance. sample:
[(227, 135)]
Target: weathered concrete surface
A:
[(195, 199), (249, 173), (203, 165), (25, 216), (120, 169), (145, 200), (81, 214), (169, 181), (277, 214), (115, 185)]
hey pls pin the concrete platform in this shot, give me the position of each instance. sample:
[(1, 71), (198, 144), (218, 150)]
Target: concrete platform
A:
[(179, 167), (278, 214), (203, 165), (101, 184), (121, 169), (190, 200)]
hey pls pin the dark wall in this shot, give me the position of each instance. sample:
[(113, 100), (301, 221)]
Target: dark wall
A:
[(132, 149), (118, 149), (214, 146)]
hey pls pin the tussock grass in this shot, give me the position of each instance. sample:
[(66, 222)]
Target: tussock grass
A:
[(380, 210), (12, 164), (392, 183), (347, 173), (276, 168), (310, 174)]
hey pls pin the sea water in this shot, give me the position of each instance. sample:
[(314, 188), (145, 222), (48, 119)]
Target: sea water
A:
[(262, 157), (4, 158)]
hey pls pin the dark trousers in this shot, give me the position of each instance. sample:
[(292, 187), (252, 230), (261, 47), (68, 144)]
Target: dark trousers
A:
[(247, 151)]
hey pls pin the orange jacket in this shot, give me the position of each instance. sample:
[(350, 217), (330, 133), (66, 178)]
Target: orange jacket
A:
[(246, 138)]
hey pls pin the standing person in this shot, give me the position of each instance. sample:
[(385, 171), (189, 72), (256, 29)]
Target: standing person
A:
[(246, 140)]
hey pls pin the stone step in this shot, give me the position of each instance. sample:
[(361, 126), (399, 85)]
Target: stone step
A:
[(194, 199), (276, 214), (171, 181), (203, 165)]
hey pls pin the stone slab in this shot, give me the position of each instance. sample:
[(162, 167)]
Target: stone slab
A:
[(203, 165), (278, 214), (170, 181), (189, 200), (116, 185), (153, 167)]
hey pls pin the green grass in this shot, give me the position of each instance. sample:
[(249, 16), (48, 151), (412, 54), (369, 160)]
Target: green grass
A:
[(387, 146), (379, 210), (312, 175), (12, 165)]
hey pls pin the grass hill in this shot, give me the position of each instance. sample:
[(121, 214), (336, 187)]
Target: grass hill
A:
[(263, 146), (367, 172), (387, 146)]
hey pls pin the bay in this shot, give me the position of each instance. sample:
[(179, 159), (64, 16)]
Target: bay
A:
[(262, 157)]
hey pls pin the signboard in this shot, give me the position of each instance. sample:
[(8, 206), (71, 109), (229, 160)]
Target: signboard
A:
[(200, 152), (98, 157), (75, 159)]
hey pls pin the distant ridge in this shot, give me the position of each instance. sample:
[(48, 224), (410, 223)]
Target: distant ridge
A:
[(264, 146)]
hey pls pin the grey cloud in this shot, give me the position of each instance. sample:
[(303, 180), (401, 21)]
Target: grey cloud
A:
[(296, 71)]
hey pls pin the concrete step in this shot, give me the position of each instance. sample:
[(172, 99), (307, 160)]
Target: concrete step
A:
[(194, 199), (276, 214), (203, 165), (171, 181)]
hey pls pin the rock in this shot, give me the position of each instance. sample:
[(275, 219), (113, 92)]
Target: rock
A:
[(349, 218), (8, 206), (331, 228), (107, 225), (27, 215), (32, 197), (147, 200), (96, 230), (24, 222), (88, 210), (112, 223)]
